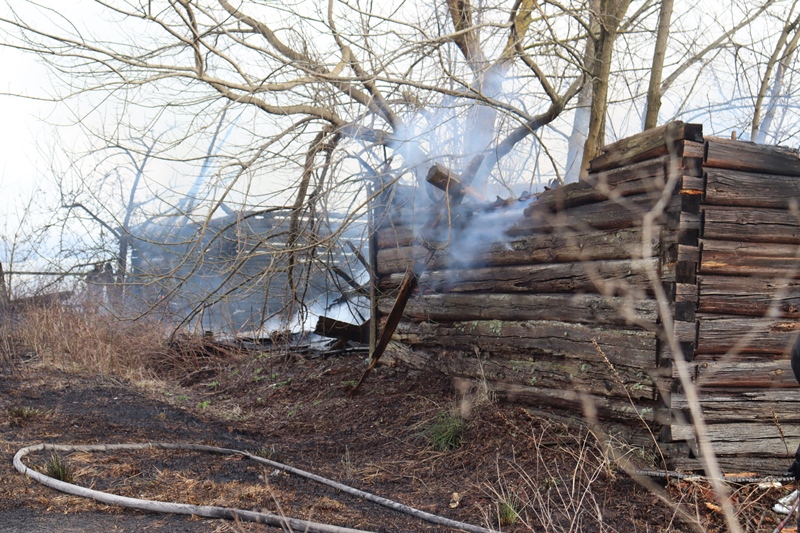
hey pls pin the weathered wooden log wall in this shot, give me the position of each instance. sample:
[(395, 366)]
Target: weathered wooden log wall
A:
[(553, 300), (747, 307)]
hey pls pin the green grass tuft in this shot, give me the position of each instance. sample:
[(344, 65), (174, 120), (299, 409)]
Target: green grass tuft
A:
[(510, 508), (447, 432), (58, 468)]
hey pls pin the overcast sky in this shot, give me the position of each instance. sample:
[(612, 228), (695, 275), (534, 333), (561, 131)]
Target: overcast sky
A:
[(20, 164)]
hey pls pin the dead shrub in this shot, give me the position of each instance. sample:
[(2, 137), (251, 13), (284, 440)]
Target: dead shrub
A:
[(69, 338)]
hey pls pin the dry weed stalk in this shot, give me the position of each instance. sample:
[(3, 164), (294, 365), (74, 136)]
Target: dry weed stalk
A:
[(557, 495), (72, 339)]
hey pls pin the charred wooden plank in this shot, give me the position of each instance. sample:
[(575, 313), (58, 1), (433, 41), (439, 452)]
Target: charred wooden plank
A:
[(747, 439), (648, 177), (337, 329), (395, 236), (608, 277), (647, 145), (652, 169), (588, 245), (630, 347), (734, 188), (579, 308), (737, 404), (621, 213), (764, 371), (777, 261), (750, 296), (651, 175), (751, 157), (750, 225), (720, 333)]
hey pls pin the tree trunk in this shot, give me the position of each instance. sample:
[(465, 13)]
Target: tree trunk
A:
[(657, 70), (611, 13), (759, 131), (580, 124)]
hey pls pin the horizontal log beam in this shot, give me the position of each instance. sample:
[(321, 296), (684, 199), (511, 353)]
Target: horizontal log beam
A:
[(749, 296), (567, 400), (651, 170), (751, 157), (607, 277), (743, 405), (755, 438), (745, 189), (742, 371), (731, 258), (625, 212), (647, 145), (629, 347), (750, 224), (720, 333), (560, 247), (578, 308)]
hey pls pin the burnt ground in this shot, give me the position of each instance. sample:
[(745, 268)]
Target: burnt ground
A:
[(295, 410)]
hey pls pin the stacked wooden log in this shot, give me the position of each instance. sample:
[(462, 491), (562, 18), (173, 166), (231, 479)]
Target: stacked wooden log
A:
[(748, 306), (676, 248), (551, 299)]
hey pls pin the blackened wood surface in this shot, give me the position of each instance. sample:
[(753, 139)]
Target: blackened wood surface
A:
[(730, 187), (751, 157), (647, 145), (776, 261), (579, 308), (750, 224), (607, 277), (613, 214), (631, 347), (750, 296)]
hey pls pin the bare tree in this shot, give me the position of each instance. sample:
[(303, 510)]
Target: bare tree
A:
[(657, 69), (781, 57), (397, 88)]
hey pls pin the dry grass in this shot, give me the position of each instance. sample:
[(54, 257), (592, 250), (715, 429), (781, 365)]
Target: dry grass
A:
[(137, 351), (63, 337)]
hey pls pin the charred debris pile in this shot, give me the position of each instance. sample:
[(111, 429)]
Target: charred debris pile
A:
[(563, 299)]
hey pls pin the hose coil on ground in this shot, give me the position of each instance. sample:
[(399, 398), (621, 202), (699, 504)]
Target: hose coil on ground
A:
[(291, 524)]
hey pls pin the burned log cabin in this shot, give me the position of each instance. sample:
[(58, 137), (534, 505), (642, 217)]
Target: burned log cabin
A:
[(679, 254), (236, 268)]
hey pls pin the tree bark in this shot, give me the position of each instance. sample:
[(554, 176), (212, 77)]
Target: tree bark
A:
[(657, 68), (610, 16)]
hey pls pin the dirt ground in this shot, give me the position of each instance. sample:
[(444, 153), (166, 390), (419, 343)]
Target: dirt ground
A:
[(512, 470)]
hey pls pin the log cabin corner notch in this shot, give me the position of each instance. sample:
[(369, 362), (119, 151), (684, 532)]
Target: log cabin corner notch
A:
[(552, 299)]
